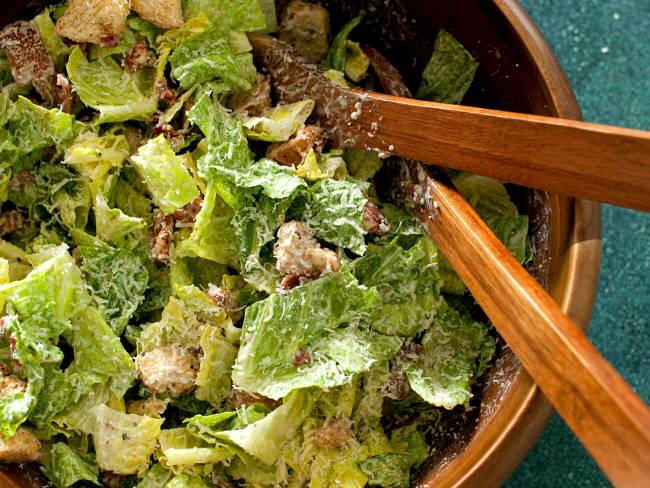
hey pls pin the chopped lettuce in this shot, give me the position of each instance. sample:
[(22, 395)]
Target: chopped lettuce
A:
[(117, 279), (104, 86), (115, 227), (181, 451), (456, 348), (334, 212), (165, 175), (37, 128), (124, 442), (212, 237), (95, 156), (64, 467), (336, 57), (239, 15), (356, 61), (280, 123), (362, 164), (449, 73), (187, 481), (213, 379), (54, 44), (492, 202), (310, 317), (265, 438), (208, 56), (157, 477)]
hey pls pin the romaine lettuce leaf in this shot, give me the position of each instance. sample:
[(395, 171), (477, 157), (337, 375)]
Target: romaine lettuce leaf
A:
[(334, 212), (124, 442), (115, 227), (187, 481), (362, 164), (64, 467), (492, 202), (280, 123), (239, 15), (156, 477), (356, 61), (336, 58), (95, 156), (449, 73), (117, 280), (212, 237), (456, 349), (265, 438), (36, 127), (213, 380), (104, 86), (181, 451), (165, 175), (309, 317), (208, 56)]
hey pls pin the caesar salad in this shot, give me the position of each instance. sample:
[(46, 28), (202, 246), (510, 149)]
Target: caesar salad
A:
[(196, 287)]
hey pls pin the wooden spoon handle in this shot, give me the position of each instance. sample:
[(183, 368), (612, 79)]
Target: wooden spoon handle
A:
[(611, 421), (597, 162)]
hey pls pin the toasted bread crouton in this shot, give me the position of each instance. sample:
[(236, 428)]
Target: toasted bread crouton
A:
[(295, 150), (150, 407), (98, 21), (170, 369), (306, 27), (29, 60), (255, 101), (23, 447), (167, 14)]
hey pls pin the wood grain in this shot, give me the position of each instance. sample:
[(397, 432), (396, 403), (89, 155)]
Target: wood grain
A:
[(596, 162), (610, 420)]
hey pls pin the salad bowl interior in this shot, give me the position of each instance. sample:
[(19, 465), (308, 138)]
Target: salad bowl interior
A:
[(518, 72)]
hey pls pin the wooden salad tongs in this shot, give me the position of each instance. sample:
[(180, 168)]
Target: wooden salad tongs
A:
[(611, 421)]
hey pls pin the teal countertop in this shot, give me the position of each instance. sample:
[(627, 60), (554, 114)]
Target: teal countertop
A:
[(604, 46)]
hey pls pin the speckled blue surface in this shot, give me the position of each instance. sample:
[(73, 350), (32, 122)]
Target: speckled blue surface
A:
[(604, 45)]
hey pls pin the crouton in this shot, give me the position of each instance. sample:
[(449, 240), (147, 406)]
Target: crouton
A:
[(299, 254), (335, 433), (23, 447), (373, 221), (139, 57), (224, 299), (11, 221), (295, 150), (167, 14), (170, 369), (306, 27), (162, 237), (98, 21), (28, 58), (151, 407), (255, 101)]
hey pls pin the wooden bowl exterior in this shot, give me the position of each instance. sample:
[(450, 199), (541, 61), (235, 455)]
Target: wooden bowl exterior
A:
[(519, 72)]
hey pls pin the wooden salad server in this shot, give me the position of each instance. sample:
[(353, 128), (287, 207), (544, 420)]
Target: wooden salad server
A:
[(611, 421), (596, 162)]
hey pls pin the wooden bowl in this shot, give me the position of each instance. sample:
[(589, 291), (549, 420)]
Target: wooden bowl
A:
[(518, 72)]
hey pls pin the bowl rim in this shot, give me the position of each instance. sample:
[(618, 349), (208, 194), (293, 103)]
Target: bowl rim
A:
[(490, 458)]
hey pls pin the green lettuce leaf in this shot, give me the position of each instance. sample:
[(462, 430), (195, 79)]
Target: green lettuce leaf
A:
[(117, 279), (208, 56), (212, 237), (449, 73), (265, 438), (64, 467), (123, 442), (456, 349), (37, 127), (334, 212), (181, 451), (187, 481), (362, 164), (117, 228), (239, 15), (309, 316), (356, 61), (336, 57), (104, 86), (213, 379), (54, 44), (280, 123), (165, 175), (492, 202), (157, 477)]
